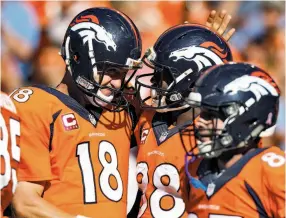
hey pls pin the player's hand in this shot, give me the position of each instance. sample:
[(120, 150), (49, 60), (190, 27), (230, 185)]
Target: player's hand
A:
[(219, 23), (63, 88)]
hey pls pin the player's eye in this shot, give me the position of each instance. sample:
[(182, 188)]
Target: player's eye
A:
[(112, 72), (206, 115), (116, 73), (153, 80)]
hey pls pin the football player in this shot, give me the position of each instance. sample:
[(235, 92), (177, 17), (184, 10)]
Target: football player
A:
[(178, 57), (239, 105), (76, 148), (10, 149)]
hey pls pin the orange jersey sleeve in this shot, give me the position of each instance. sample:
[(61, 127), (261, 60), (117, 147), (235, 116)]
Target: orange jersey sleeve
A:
[(33, 106), (10, 149)]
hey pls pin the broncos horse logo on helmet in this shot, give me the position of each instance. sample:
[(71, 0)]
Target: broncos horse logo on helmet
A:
[(101, 41), (256, 85), (201, 56), (89, 31), (178, 57), (246, 102)]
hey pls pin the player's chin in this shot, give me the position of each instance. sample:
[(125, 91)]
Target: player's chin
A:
[(104, 101), (101, 103), (204, 146)]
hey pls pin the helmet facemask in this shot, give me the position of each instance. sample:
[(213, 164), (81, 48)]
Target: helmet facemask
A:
[(89, 74), (208, 133), (168, 88), (220, 131), (239, 105), (211, 133)]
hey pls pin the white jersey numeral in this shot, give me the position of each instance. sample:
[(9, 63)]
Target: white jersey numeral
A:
[(273, 160), (85, 164), (109, 169), (23, 95), (163, 170), (15, 150), (142, 169), (105, 149), (192, 215)]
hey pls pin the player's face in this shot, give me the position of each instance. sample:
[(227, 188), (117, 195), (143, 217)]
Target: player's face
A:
[(208, 126), (155, 95), (113, 78), (158, 98)]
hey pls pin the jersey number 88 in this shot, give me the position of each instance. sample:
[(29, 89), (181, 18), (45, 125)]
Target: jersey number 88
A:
[(157, 196)]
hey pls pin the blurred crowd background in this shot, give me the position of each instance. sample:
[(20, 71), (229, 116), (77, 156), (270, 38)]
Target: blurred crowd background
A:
[(32, 32)]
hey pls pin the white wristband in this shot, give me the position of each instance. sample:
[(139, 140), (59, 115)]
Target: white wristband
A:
[(80, 216)]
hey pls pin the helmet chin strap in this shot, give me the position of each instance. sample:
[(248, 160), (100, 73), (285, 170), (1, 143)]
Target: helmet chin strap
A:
[(206, 148), (97, 102), (154, 94), (106, 98)]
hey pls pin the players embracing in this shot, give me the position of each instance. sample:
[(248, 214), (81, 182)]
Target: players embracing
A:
[(199, 138), (75, 144), (160, 161)]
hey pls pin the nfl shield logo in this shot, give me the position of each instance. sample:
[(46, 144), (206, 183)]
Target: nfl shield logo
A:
[(210, 189), (92, 119), (163, 136)]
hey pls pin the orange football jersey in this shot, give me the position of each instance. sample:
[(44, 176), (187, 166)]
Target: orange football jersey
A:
[(160, 166), (83, 154), (253, 187), (10, 150)]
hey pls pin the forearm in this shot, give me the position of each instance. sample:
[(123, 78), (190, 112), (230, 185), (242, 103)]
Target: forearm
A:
[(27, 202), (38, 207)]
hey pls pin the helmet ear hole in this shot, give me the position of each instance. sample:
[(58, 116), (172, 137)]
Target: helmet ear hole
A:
[(74, 40), (76, 57)]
